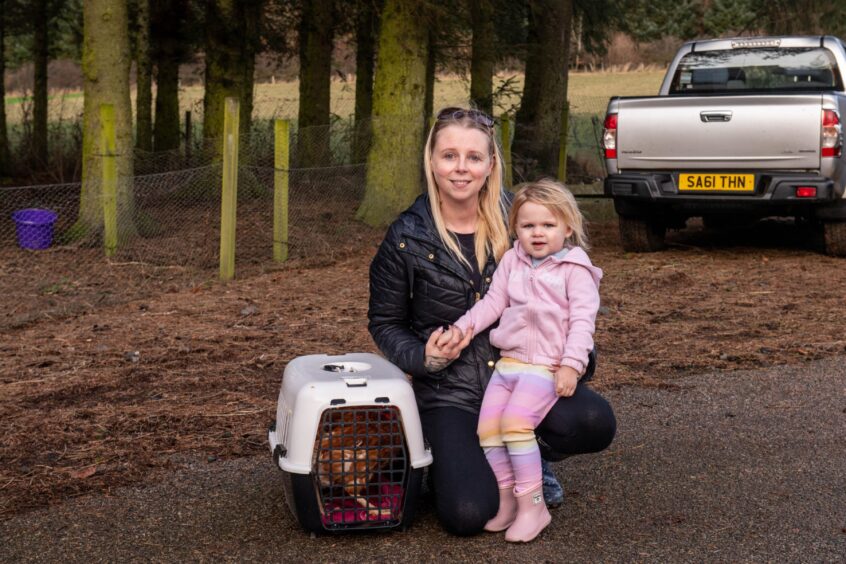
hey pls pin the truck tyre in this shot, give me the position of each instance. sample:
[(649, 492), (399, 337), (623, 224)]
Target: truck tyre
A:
[(835, 238), (641, 236)]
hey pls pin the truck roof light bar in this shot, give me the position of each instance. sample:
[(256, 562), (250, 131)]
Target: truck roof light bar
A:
[(740, 43)]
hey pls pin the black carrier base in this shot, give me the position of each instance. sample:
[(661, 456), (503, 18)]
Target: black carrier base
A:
[(301, 493)]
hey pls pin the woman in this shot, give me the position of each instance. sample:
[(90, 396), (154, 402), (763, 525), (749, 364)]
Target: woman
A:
[(436, 261)]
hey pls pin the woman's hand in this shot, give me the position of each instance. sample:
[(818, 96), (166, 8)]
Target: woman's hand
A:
[(444, 346), (566, 379)]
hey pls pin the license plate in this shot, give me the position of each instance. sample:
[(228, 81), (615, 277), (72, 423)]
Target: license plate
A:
[(716, 182)]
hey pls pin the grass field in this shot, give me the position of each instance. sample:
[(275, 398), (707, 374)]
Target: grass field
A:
[(588, 93)]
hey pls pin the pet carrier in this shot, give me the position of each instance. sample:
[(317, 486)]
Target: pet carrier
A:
[(347, 438)]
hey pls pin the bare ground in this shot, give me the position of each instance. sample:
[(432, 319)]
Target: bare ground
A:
[(107, 394)]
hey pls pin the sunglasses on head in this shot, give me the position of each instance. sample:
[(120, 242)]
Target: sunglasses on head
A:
[(450, 114)]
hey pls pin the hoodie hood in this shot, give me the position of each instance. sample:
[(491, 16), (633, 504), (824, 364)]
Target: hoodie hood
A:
[(576, 255)]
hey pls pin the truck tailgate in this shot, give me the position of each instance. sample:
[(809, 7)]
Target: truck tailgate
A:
[(719, 132)]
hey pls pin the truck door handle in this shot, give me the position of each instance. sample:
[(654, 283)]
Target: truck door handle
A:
[(710, 116)]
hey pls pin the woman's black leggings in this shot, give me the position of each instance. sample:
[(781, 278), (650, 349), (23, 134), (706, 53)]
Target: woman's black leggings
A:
[(465, 489)]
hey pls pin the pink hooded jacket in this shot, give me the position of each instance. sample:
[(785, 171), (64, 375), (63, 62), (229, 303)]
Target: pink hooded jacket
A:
[(547, 314)]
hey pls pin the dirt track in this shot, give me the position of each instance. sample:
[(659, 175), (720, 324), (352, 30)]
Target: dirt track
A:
[(726, 467), (109, 396)]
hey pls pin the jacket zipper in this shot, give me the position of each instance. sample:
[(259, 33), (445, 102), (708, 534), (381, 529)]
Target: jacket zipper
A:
[(472, 301), (532, 321)]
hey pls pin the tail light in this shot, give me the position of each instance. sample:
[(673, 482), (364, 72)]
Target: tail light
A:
[(832, 134), (609, 136)]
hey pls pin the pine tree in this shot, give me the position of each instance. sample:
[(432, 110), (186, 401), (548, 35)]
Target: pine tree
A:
[(106, 61), (393, 164), (40, 51), (143, 83), (366, 32), (170, 43), (232, 35), (538, 124), (315, 38), (4, 137), (483, 55)]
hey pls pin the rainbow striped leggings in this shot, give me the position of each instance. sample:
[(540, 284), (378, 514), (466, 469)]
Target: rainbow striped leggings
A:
[(516, 400)]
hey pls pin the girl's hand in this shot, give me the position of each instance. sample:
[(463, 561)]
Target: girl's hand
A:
[(566, 379), (444, 346)]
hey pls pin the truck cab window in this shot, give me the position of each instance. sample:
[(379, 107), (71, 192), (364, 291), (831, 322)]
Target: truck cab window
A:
[(756, 70)]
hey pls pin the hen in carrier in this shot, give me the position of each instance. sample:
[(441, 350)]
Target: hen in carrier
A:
[(347, 438)]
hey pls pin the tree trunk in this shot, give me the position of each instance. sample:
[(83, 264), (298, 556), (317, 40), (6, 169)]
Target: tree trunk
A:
[(482, 55), (143, 88), (431, 67), (315, 75), (39, 87), (166, 134), (169, 45), (105, 67), (367, 28), (4, 136), (231, 35), (536, 139), (393, 164)]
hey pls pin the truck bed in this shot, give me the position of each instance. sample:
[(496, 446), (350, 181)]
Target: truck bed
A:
[(745, 132)]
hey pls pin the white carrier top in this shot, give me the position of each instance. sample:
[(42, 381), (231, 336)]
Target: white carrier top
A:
[(314, 383)]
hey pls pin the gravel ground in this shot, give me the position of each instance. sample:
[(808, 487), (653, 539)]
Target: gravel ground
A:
[(745, 466)]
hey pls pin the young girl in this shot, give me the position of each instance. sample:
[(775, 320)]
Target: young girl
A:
[(545, 292)]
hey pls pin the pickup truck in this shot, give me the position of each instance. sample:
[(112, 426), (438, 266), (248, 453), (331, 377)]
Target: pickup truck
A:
[(742, 128)]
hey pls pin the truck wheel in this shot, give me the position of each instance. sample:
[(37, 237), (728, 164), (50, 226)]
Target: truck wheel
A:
[(641, 236), (835, 239)]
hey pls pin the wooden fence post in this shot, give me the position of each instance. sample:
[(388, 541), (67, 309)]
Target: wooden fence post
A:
[(189, 135), (562, 143), (505, 132), (281, 166), (229, 195), (108, 148)]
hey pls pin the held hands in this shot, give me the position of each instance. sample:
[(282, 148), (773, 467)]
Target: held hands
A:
[(566, 379), (444, 346)]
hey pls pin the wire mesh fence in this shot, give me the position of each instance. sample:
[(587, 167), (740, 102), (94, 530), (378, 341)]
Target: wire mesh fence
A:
[(169, 218)]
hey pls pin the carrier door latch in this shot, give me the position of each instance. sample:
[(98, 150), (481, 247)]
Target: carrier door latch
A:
[(359, 382)]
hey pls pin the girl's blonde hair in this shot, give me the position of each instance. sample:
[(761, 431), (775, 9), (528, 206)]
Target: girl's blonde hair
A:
[(557, 199), (491, 233)]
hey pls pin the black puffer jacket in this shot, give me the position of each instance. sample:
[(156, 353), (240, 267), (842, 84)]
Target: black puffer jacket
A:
[(416, 286)]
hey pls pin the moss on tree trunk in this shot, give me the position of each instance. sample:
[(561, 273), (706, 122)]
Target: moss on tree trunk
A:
[(105, 67), (431, 69), (536, 139), (144, 94), (393, 164), (315, 73), (482, 55)]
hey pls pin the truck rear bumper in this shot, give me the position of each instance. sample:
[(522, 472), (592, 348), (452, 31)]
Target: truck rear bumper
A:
[(656, 194)]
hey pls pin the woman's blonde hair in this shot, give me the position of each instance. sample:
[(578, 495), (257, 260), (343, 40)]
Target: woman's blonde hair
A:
[(557, 199), (491, 233)]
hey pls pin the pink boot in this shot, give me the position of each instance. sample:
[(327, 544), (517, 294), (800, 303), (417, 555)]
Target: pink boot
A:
[(532, 516), (507, 511)]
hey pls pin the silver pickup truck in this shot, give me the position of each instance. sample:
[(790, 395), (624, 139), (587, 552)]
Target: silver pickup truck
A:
[(741, 128)]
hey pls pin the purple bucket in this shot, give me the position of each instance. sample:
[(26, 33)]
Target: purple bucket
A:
[(34, 227)]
